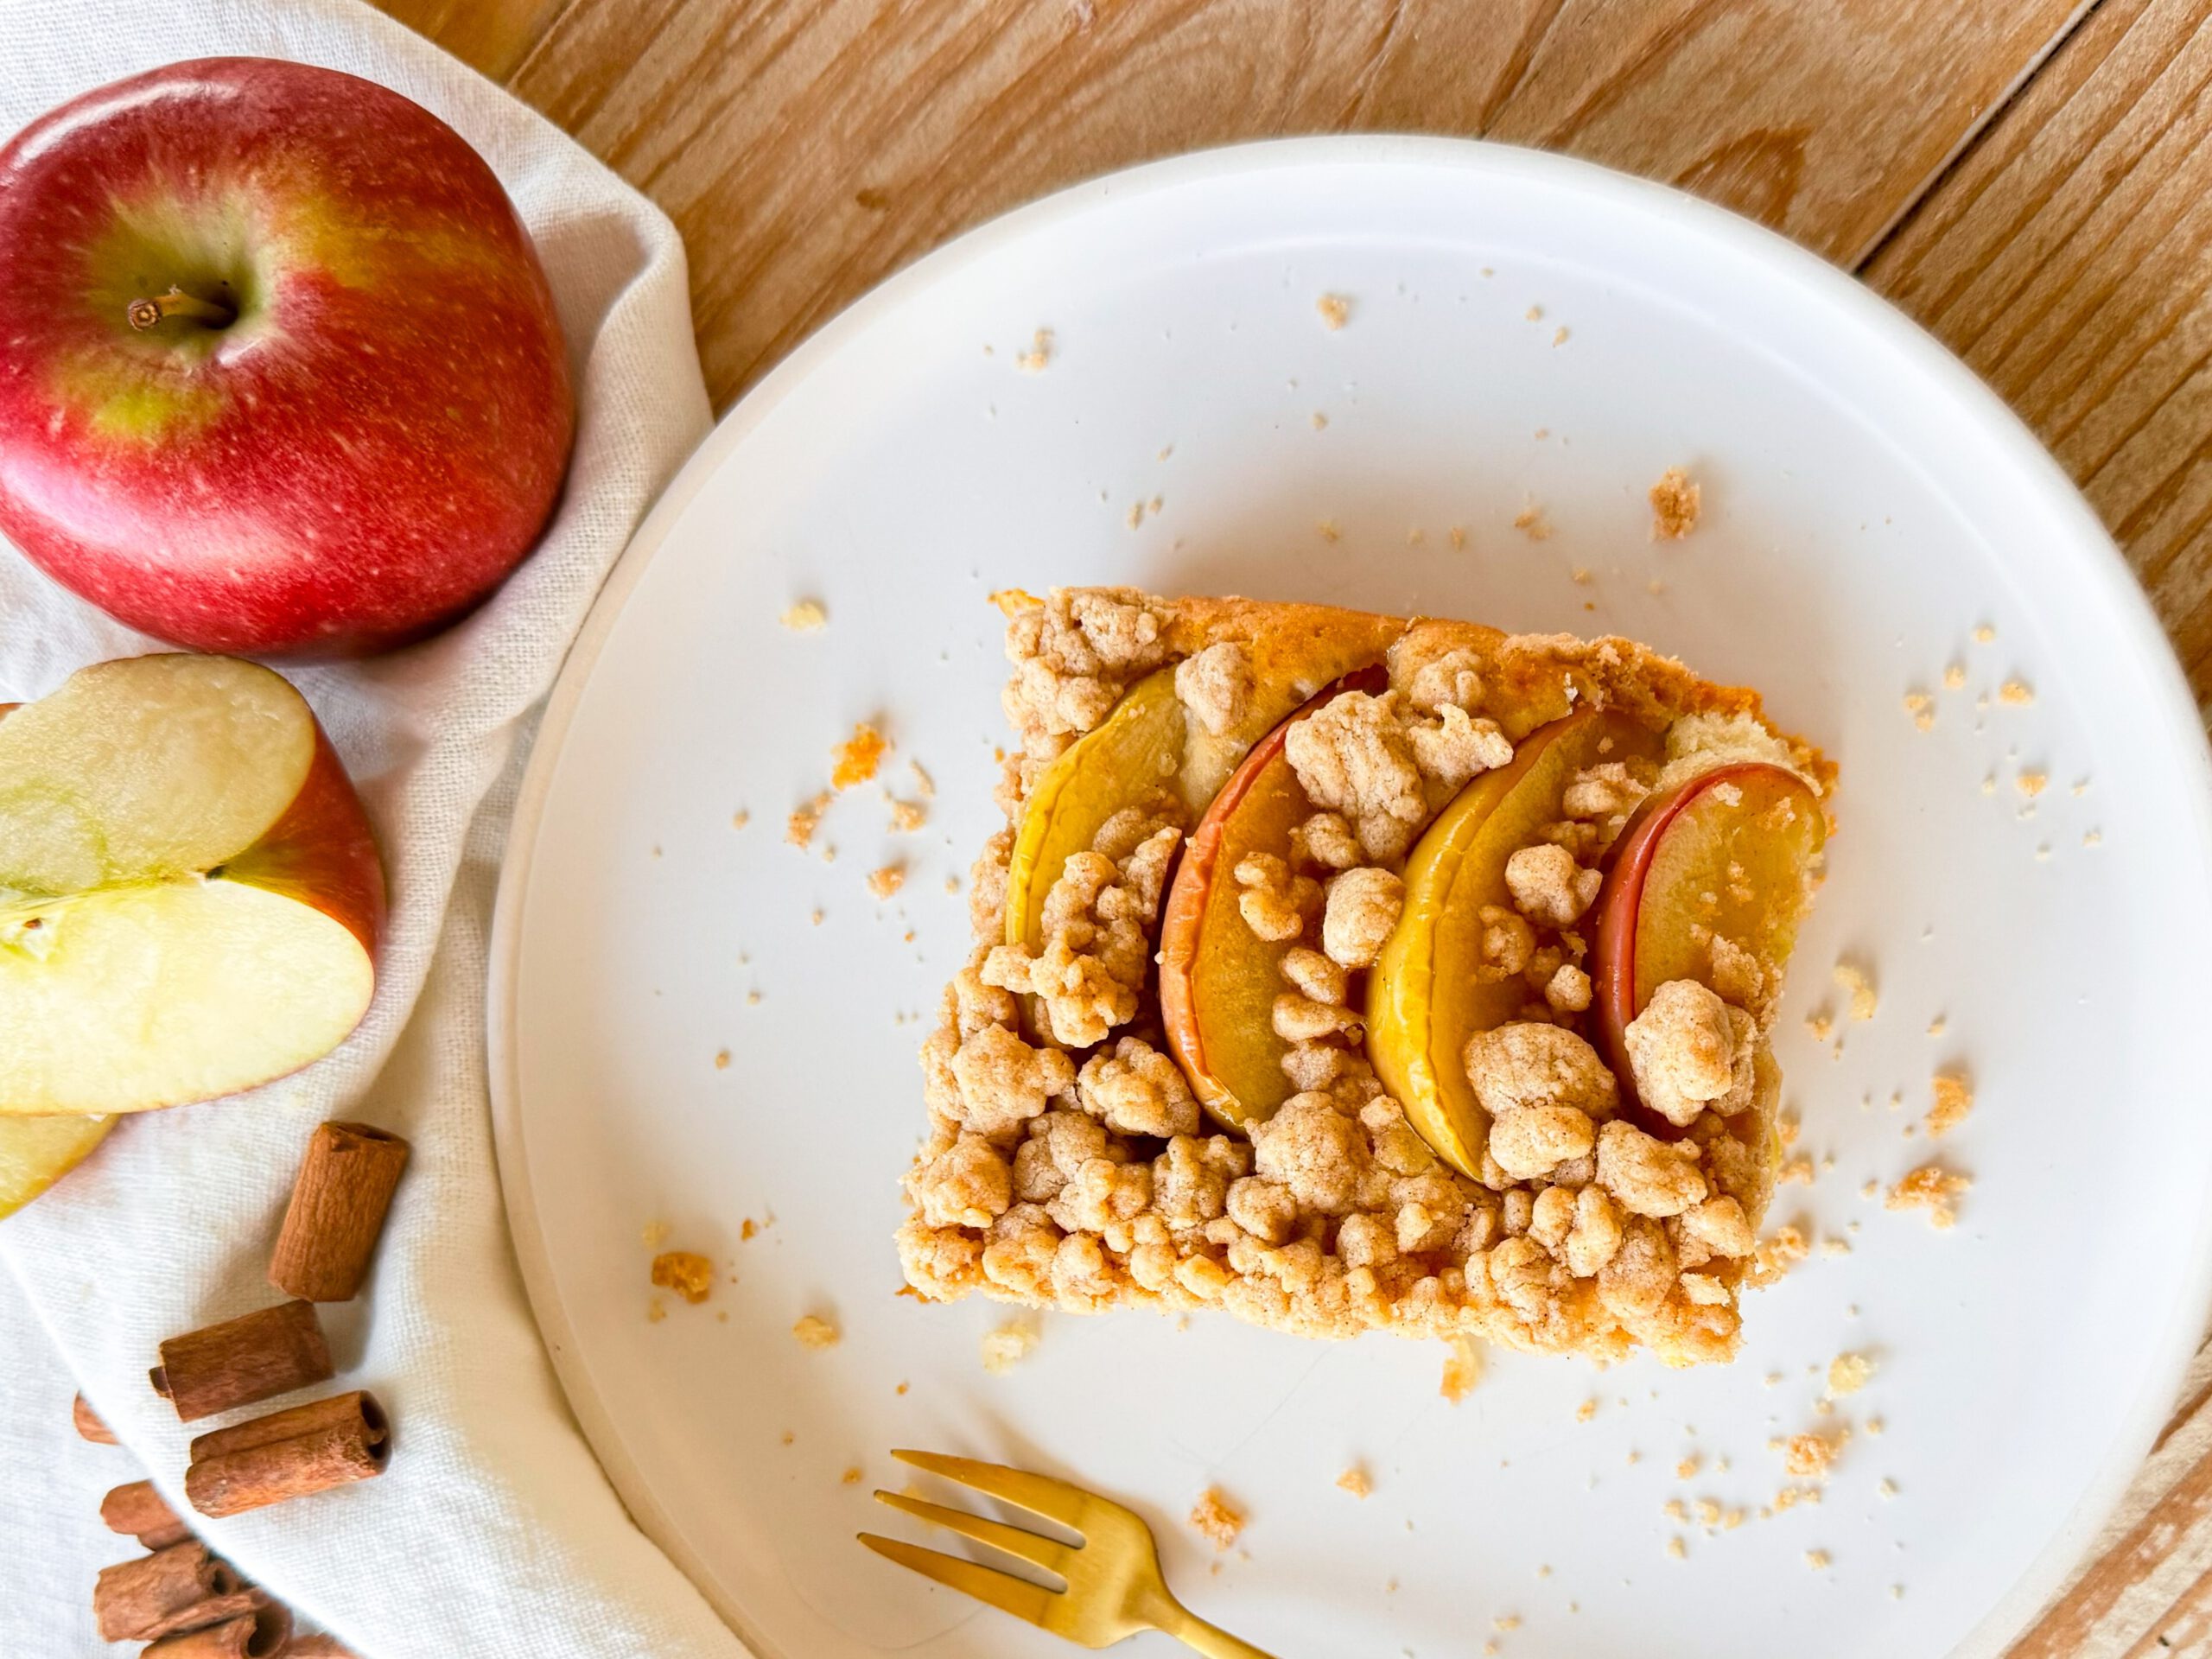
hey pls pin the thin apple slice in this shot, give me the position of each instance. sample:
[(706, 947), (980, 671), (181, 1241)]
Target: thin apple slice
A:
[(1425, 995), (190, 895), (1219, 980), (1733, 852), (36, 1152), (1134, 753)]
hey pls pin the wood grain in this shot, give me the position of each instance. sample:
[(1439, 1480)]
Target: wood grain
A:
[(806, 148), (2067, 257), (490, 37)]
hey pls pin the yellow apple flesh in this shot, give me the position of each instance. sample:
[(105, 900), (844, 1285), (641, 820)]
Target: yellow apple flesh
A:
[(1732, 852), (36, 1152), (1427, 995), (190, 894)]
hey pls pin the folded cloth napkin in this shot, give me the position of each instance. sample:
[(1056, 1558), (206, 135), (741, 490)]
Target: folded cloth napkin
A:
[(494, 1531)]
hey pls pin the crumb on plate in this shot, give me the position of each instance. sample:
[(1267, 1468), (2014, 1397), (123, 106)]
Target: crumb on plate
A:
[(1676, 501)]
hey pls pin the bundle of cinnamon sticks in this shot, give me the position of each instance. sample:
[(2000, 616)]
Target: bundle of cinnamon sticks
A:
[(182, 1601)]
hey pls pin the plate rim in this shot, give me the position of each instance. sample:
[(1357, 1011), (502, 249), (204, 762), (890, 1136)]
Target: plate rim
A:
[(1792, 265)]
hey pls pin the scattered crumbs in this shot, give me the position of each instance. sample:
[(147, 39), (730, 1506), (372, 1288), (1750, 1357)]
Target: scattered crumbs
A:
[(1848, 1373), (1835, 1247), (1989, 784), (1635, 1456), (1416, 536), (1676, 1548), (1033, 360), (1215, 1518), (1463, 1369), (1984, 634), (1821, 1024), (1935, 1025), (1888, 1488), (788, 1437), (721, 1059), (907, 817), (829, 855), (1355, 1481), (655, 1310), (1870, 1187), (805, 617), (851, 1476), (816, 1333), (1921, 708), (901, 1388), (1320, 421), (1954, 677), (858, 756), (1687, 1467), (1810, 1456), (1954, 1099), (1326, 528), (1777, 1255), (1335, 309), (2091, 837), (952, 883), (799, 831), (815, 917), (1797, 1172), (1007, 1345), (740, 818), (1859, 989), (886, 881), (2018, 693), (1817, 1560), (2080, 789), (1506, 1624), (1136, 514), (1459, 537), (1534, 314), (652, 1233), (2031, 783), (1559, 335), (1532, 520), (1897, 1592), (1586, 1410), (1675, 1509), (922, 781), (1581, 576), (1676, 500), (1708, 1513), (752, 999), (1932, 1188)]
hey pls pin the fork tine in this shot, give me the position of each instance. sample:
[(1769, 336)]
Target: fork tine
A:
[(1048, 1553), (1039, 1494), (1001, 1590)]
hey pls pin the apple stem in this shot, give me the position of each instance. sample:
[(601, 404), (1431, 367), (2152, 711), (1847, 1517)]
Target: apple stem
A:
[(144, 313)]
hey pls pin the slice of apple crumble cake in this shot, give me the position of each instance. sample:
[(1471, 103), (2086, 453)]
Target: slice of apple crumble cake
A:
[(1350, 972)]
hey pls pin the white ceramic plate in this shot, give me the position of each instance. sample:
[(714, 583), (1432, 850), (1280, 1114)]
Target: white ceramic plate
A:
[(1525, 332)]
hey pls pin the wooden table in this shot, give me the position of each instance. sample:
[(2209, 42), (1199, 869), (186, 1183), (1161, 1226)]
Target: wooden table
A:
[(2031, 179)]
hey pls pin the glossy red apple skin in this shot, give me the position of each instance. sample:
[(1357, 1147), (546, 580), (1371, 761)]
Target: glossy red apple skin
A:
[(364, 453)]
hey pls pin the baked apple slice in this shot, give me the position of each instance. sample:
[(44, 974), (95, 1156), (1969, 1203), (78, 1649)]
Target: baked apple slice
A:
[(1731, 855), (1427, 995), (1219, 980), (190, 895)]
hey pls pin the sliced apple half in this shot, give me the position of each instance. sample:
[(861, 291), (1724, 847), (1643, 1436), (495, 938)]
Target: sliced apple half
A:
[(36, 1152), (1732, 853), (1427, 995), (1219, 980), (190, 894)]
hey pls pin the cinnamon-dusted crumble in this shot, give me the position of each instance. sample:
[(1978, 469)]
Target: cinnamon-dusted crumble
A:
[(816, 1333), (1676, 501), (1071, 1163), (688, 1274), (1932, 1188), (854, 760), (1215, 1518)]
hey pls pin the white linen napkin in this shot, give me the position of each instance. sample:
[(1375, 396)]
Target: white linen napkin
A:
[(494, 1531)]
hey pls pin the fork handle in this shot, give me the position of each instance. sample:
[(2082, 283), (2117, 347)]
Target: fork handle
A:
[(1199, 1636)]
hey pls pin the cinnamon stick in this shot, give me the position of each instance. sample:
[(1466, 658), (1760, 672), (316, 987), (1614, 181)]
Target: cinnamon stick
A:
[(289, 1454), (141, 1600), (263, 1633), (339, 1200), (255, 1357), (88, 1423), (141, 1511)]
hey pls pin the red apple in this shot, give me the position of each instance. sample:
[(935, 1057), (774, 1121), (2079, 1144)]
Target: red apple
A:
[(190, 896), (1733, 852), (280, 370)]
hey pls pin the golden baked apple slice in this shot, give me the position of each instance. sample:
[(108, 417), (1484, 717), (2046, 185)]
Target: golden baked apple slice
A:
[(36, 1152), (1732, 853), (1427, 995), (1135, 751), (1219, 980), (190, 895)]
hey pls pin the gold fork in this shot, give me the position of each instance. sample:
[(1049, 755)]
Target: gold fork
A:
[(1114, 1587)]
